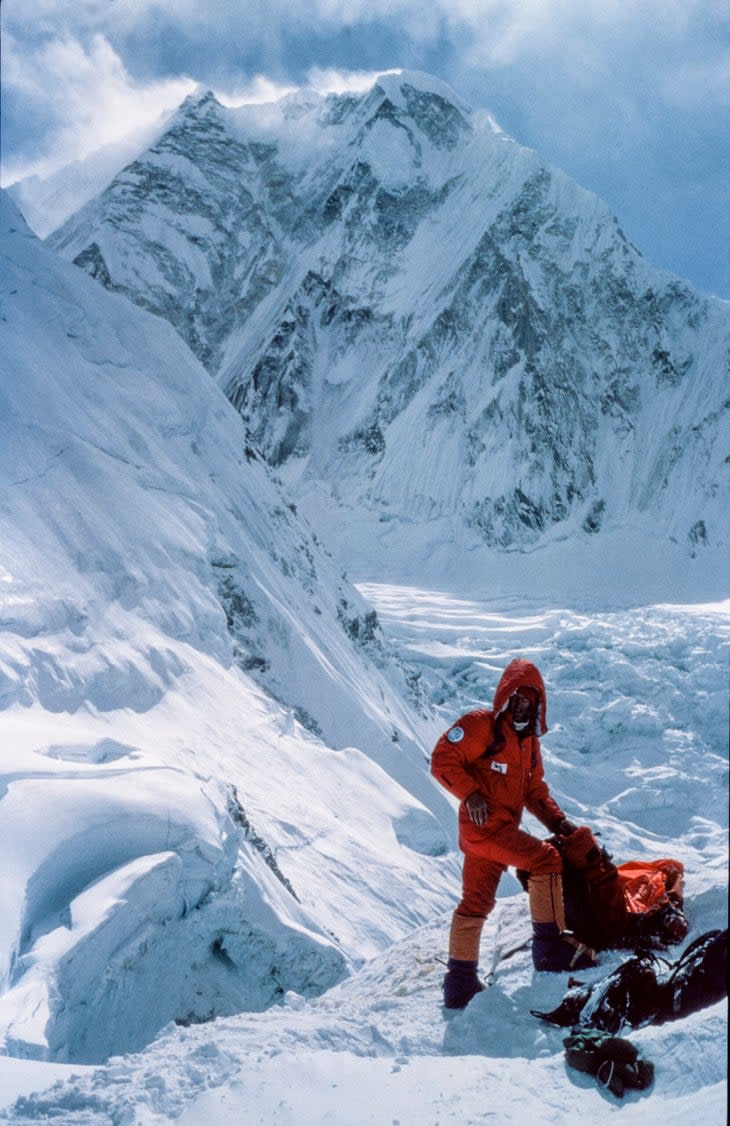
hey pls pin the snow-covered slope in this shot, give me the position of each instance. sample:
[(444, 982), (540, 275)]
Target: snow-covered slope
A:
[(420, 320), (376, 1050), (636, 750), (207, 743)]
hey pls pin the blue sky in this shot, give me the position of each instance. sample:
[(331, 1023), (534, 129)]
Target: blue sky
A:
[(631, 99)]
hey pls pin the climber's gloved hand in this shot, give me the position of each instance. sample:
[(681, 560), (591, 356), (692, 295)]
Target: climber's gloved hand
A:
[(564, 828), (477, 808)]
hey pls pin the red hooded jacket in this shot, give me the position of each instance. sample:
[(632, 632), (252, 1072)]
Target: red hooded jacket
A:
[(479, 753)]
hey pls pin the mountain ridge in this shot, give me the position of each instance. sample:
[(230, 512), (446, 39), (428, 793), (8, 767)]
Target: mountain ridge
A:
[(356, 270)]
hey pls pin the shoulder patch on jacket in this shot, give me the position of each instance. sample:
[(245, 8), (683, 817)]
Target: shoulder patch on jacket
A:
[(456, 734)]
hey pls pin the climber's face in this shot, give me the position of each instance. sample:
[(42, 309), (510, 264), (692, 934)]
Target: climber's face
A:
[(522, 707)]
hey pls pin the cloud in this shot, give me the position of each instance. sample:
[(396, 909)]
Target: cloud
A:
[(257, 91), (230, 45), (629, 98), (699, 82), (327, 80), (84, 96)]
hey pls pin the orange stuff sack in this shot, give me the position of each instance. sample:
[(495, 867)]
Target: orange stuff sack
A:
[(646, 883), (637, 905)]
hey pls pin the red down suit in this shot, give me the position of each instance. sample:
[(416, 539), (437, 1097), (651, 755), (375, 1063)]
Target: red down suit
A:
[(483, 753)]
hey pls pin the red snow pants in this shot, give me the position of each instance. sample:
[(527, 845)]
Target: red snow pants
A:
[(488, 853)]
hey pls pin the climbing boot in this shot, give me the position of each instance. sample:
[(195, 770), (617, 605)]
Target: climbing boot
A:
[(554, 949), (461, 983)]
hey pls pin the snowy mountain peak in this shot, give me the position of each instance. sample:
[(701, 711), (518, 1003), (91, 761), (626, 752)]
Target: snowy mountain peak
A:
[(413, 91), (201, 96), (425, 109), (199, 109), (483, 351)]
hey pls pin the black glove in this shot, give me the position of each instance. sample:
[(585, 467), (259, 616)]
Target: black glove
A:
[(614, 1061), (564, 828)]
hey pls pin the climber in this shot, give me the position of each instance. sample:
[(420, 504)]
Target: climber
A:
[(491, 761)]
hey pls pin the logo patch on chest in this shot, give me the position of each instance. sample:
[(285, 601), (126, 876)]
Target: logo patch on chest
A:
[(456, 734), (500, 767)]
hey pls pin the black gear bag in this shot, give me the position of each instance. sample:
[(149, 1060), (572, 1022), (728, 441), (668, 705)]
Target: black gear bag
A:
[(649, 990)]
